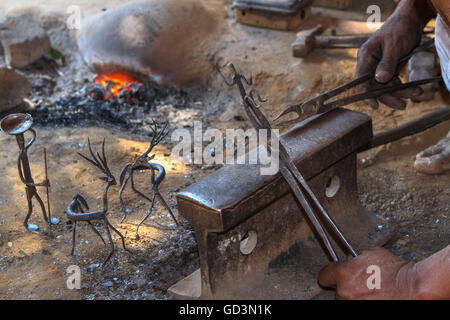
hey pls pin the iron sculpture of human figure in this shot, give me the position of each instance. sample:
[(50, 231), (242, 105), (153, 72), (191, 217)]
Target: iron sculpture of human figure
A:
[(17, 125)]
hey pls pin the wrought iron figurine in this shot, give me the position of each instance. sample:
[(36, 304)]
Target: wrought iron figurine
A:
[(75, 210), (16, 125), (143, 163)]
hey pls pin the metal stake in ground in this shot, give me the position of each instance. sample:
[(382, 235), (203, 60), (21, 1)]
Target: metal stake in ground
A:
[(48, 192), (16, 125), (287, 168)]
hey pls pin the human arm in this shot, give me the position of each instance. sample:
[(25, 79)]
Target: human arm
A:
[(398, 36), (400, 279)]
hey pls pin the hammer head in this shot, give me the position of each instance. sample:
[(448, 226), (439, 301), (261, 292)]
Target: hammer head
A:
[(305, 41)]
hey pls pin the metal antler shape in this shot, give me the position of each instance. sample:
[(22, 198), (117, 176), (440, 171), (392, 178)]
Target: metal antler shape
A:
[(143, 163), (76, 209)]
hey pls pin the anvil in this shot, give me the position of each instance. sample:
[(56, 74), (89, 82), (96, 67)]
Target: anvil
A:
[(254, 240)]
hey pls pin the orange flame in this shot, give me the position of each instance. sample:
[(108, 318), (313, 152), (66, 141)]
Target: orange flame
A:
[(118, 82)]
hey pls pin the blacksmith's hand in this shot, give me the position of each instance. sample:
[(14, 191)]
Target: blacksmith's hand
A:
[(380, 55), (374, 274)]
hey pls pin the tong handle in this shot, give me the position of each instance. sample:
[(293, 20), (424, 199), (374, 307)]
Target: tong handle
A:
[(374, 94), (364, 78)]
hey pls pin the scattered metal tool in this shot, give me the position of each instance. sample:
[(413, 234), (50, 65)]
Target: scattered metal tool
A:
[(16, 125), (335, 4), (280, 14), (143, 163), (287, 168), (318, 104), (423, 123), (308, 40), (75, 210)]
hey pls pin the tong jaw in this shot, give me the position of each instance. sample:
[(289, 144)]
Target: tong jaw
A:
[(236, 78), (287, 169), (303, 112), (251, 107)]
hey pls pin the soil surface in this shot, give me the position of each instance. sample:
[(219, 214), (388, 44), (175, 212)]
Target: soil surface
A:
[(414, 207)]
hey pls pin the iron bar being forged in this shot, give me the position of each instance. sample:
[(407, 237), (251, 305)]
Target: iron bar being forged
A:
[(143, 163), (75, 210), (287, 168), (16, 125)]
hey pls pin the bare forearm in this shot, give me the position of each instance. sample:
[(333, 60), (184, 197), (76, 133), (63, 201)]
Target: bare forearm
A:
[(432, 276), (443, 8), (419, 10)]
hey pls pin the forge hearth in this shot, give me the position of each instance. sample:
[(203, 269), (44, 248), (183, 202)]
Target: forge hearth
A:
[(89, 105), (167, 42)]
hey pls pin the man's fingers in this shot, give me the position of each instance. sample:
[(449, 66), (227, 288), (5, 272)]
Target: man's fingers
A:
[(328, 276), (373, 103), (408, 93), (368, 57), (405, 93), (392, 102), (388, 65)]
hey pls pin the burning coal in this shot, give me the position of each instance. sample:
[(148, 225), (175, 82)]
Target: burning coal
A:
[(111, 86)]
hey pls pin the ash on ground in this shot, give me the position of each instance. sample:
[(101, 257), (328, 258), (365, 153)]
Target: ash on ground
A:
[(80, 108)]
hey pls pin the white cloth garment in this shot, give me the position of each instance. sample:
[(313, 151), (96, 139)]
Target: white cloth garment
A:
[(442, 40)]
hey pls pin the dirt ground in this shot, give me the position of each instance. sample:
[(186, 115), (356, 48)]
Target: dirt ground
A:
[(413, 206)]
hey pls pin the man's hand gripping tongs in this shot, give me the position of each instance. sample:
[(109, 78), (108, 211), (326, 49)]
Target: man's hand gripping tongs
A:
[(317, 105)]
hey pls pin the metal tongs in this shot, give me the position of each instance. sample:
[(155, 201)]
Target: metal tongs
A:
[(287, 168), (318, 104)]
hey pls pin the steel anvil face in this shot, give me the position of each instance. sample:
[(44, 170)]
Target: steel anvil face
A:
[(254, 239)]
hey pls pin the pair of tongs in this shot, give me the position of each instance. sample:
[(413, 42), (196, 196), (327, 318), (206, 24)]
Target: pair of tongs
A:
[(317, 105), (291, 174)]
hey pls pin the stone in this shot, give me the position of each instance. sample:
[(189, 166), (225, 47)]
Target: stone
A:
[(165, 41), (13, 88), (140, 283), (23, 40)]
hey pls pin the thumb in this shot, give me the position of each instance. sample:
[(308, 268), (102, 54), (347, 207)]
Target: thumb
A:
[(328, 276), (387, 66)]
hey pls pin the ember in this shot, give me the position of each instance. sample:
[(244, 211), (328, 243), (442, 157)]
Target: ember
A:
[(113, 85)]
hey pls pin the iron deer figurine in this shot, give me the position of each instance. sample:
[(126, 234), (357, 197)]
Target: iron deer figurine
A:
[(76, 209), (16, 125), (158, 173)]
